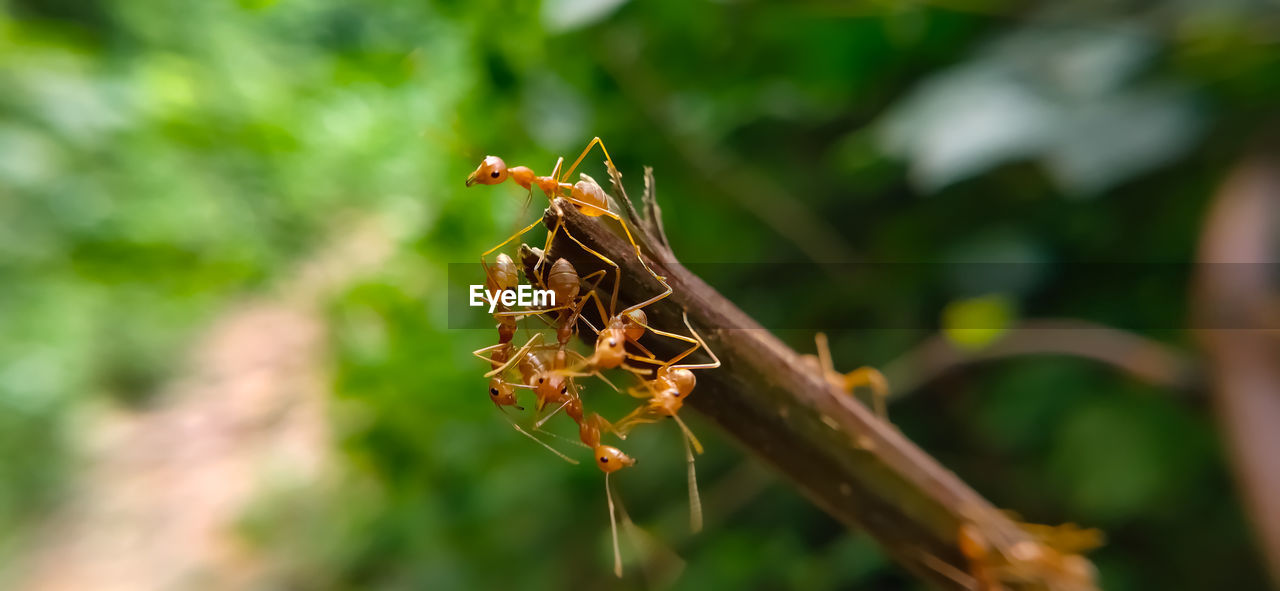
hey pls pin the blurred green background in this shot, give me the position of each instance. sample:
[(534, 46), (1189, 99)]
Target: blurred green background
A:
[(164, 164)]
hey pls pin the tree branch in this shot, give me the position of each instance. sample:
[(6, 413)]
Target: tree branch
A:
[(858, 469), (1148, 360), (1234, 297)]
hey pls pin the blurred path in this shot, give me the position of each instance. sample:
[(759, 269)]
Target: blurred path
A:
[(156, 506)]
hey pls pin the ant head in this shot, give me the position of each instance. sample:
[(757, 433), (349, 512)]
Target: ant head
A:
[(610, 348), (492, 170), (668, 400), (611, 459), (501, 393), (551, 386)]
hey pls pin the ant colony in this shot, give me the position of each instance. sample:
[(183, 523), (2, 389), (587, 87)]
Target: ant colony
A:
[(552, 370)]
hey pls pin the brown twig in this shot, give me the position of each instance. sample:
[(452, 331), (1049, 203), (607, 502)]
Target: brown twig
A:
[(651, 210), (857, 468), (1233, 294), (1145, 359)]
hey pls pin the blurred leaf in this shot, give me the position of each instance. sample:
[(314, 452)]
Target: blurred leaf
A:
[(974, 323), (559, 16), (1062, 95)]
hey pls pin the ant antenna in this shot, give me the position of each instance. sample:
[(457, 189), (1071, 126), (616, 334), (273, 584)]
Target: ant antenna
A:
[(540, 442), (613, 525), (695, 502)]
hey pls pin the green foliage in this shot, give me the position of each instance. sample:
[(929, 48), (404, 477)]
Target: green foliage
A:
[(164, 159)]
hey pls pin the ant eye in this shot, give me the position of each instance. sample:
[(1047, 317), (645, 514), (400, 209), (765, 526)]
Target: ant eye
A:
[(494, 174), (564, 389), (493, 391), (604, 460), (613, 342)]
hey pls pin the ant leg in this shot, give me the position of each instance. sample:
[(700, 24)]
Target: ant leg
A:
[(546, 247), (697, 445), (604, 317), (542, 421), (551, 198), (504, 242), (563, 438), (634, 357), (520, 314), (540, 442), (695, 502), (639, 256), (591, 293), (613, 301), (589, 325), (643, 349), (539, 312), (596, 283), (678, 337), (609, 161), (605, 380), (478, 352), (643, 373), (824, 354), (640, 416), (682, 355), (715, 361), (646, 393), (571, 373), (581, 361), (594, 142), (555, 171), (516, 357), (873, 379)]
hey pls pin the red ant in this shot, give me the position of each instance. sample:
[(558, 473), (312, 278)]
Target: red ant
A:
[(547, 383), (586, 194), (609, 459), (1051, 557), (666, 393), (848, 383)]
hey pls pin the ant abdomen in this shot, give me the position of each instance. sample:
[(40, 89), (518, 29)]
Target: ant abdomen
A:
[(633, 324), (502, 275), (588, 192), (563, 281)]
